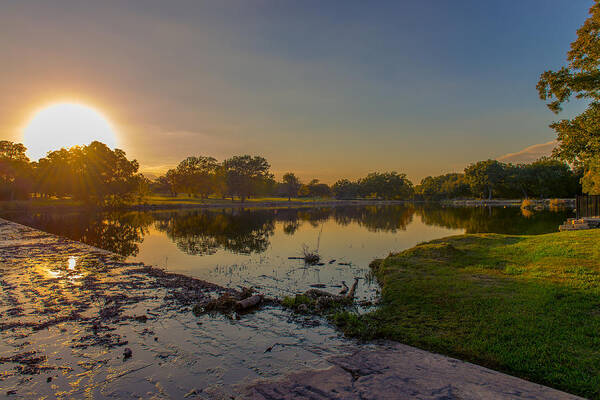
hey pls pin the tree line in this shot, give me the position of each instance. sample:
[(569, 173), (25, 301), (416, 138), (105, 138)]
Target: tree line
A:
[(97, 174), (92, 173), (245, 176), (544, 178), (249, 176)]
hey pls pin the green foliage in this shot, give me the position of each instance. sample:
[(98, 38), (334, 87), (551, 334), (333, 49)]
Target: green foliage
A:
[(579, 138), (448, 186), (246, 175), (93, 173), (315, 189), (15, 171), (327, 306), (386, 185), (291, 185), (485, 177), (196, 176), (591, 180), (526, 305), (345, 189)]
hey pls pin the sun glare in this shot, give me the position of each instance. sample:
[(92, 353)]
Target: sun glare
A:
[(66, 125)]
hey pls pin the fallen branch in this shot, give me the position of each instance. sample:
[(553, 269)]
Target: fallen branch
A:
[(249, 302)]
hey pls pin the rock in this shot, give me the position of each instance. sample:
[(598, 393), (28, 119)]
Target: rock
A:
[(303, 308), (127, 353)]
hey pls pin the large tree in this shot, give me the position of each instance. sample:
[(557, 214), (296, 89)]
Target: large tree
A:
[(387, 185), (345, 189), (291, 185), (579, 137), (485, 177), (92, 173), (246, 175), (196, 175)]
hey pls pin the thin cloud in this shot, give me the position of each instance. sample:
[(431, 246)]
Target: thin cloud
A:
[(530, 154)]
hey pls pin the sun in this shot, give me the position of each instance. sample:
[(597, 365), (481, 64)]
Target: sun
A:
[(66, 125)]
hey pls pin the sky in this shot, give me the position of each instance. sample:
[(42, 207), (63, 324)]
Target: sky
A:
[(325, 89)]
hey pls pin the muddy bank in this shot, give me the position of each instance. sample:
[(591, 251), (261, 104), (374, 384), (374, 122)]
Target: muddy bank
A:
[(78, 321)]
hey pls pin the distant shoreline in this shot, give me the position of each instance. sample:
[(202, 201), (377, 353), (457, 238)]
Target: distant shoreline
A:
[(177, 204)]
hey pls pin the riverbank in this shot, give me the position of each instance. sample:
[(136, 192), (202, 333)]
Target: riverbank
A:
[(70, 313), (525, 305), (544, 203), (167, 203), (181, 202)]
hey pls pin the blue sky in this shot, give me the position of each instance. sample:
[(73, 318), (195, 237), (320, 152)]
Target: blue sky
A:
[(323, 88)]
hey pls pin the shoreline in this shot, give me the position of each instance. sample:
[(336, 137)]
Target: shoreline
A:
[(67, 326), (520, 304), (67, 204)]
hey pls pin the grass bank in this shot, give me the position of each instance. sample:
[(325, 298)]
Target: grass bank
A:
[(525, 305)]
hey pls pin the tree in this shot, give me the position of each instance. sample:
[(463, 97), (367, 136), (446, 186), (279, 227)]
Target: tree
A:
[(552, 178), (579, 138), (448, 186), (345, 189), (591, 179), (246, 175), (15, 170), (386, 185), (291, 185), (161, 185), (196, 175), (485, 177), (315, 189), (93, 173)]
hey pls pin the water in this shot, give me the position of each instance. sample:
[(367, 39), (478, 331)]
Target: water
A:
[(251, 247)]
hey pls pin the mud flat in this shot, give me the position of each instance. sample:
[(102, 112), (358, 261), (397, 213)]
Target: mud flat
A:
[(77, 321)]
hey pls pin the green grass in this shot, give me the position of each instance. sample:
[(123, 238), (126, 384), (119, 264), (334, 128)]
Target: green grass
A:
[(525, 305), (17, 205), (38, 203), (184, 199)]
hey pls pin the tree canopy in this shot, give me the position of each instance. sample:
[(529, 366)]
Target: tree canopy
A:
[(579, 137), (15, 171), (246, 175)]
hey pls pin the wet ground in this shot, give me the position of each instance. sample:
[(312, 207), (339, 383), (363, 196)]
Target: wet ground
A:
[(71, 313)]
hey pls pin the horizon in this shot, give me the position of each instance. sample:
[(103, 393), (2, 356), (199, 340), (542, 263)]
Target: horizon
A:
[(317, 89)]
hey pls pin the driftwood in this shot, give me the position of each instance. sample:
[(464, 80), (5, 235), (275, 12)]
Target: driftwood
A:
[(344, 289), (350, 294), (249, 302), (230, 301), (316, 294)]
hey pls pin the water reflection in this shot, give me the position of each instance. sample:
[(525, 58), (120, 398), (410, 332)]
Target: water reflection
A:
[(250, 231), (509, 220), (200, 232)]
